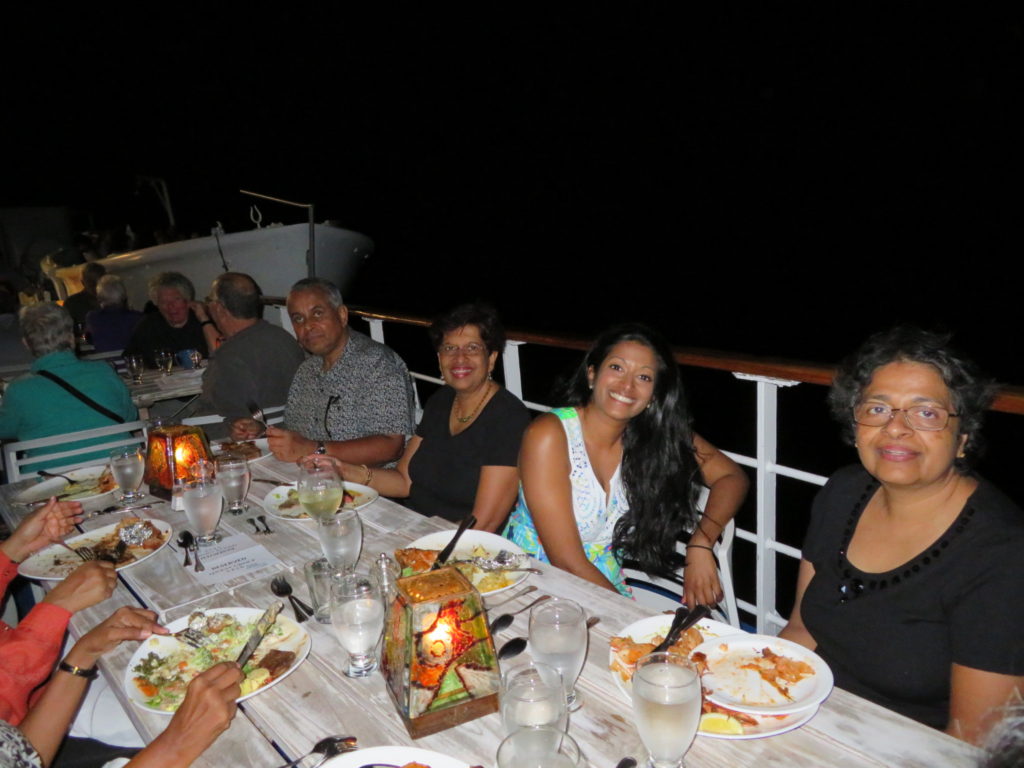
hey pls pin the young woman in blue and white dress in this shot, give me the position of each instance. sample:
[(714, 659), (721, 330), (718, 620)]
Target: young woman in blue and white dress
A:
[(616, 474)]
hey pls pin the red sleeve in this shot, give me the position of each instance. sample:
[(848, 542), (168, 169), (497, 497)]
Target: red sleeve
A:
[(27, 652)]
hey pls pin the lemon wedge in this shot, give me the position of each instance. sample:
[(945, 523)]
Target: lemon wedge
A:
[(717, 722)]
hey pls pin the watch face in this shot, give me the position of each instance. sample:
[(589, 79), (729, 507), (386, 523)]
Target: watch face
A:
[(320, 448)]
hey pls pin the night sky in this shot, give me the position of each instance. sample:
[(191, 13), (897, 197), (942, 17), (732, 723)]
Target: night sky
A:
[(777, 181)]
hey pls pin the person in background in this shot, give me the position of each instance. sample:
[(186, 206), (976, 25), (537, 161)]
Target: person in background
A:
[(617, 474), (352, 399), (463, 457), (110, 327), (85, 301), (256, 361), (180, 322), (36, 405), (908, 586)]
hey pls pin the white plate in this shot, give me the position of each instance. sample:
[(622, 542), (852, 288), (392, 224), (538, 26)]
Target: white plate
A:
[(644, 631), (54, 562), (727, 685), (489, 541), (262, 443), (55, 486), (299, 643), (394, 756), (364, 496)]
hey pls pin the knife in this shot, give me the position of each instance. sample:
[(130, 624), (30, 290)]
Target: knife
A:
[(681, 624), (468, 522), (266, 621)]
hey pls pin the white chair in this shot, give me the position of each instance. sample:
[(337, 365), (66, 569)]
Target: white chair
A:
[(273, 415), (114, 436)]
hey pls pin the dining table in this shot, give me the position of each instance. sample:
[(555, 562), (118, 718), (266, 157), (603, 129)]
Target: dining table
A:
[(317, 700), (156, 386)]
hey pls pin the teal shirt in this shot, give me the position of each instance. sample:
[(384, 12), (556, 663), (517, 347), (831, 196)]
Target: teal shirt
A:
[(36, 407)]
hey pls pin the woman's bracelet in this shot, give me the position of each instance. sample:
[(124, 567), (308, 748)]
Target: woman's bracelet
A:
[(369, 474), (71, 669), (701, 546)]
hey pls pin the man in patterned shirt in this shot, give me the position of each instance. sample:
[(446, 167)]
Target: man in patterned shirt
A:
[(352, 398)]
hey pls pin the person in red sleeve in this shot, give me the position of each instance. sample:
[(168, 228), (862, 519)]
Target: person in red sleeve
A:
[(29, 651)]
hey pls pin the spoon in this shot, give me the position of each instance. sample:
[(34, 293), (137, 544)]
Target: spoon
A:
[(515, 596), (328, 747), (254, 525), (194, 546), (504, 621), (263, 521), (281, 588), (626, 762), (517, 645), (185, 542)]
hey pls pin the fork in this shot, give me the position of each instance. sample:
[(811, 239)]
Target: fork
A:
[(190, 636), (86, 553), (257, 413)]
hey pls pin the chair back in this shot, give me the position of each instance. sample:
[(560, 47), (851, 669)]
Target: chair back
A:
[(108, 438)]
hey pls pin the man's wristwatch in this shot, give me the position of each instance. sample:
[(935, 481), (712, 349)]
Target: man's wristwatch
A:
[(321, 448)]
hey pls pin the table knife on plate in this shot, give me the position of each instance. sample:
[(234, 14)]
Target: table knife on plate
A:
[(266, 621)]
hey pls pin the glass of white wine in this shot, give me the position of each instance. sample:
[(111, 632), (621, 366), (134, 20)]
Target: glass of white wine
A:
[(164, 361), (320, 489), (666, 706), (127, 466), (136, 366)]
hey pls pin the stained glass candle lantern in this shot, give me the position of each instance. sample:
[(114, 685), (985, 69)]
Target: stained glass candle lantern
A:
[(439, 659), (171, 452)]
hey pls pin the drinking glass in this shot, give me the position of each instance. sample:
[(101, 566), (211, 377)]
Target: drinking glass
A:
[(136, 367), (319, 575), (204, 501), (202, 469), (666, 705), (532, 694), (164, 361), (341, 539), (235, 477), (127, 465), (558, 637), (196, 358), (539, 747), (357, 613), (320, 489)]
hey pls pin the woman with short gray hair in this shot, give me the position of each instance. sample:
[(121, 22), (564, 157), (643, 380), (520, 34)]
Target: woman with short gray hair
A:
[(110, 327)]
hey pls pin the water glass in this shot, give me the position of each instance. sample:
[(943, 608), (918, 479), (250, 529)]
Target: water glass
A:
[(235, 478), (558, 637), (319, 575), (532, 695), (666, 705), (127, 465), (136, 367), (203, 502), (320, 489), (539, 747), (357, 613), (341, 539)]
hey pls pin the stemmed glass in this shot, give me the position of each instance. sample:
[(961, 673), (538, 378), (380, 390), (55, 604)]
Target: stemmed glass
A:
[(667, 706), (196, 358), (235, 478), (164, 361), (341, 539), (204, 502), (539, 747), (357, 613), (532, 694), (320, 489), (558, 637), (127, 465), (136, 367)]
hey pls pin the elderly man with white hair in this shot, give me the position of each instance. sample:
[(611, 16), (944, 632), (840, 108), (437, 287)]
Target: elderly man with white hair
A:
[(180, 322)]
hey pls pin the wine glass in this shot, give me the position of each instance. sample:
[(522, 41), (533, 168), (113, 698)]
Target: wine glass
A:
[(320, 489), (136, 367), (235, 478), (196, 358), (667, 706), (204, 502), (558, 637), (357, 613), (341, 539), (127, 465), (164, 361), (539, 747), (532, 694)]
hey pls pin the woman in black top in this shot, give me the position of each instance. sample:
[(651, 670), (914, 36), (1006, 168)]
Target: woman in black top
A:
[(464, 454), (911, 572)]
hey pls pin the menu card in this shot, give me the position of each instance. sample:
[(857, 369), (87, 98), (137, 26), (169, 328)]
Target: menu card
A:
[(235, 557)]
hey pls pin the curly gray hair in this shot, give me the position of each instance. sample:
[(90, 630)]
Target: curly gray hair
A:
[(174, 280), (110, 292), (46, 328)]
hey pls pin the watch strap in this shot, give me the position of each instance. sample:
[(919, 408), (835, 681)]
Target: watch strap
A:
[(71, 669)]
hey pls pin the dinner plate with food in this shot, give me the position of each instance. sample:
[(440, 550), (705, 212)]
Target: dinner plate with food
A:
[(395, 757), (639, 638), (253, 450), (761, 674), (55, 562), (87, 483), (283, 501), (420, 555), (161, 668)]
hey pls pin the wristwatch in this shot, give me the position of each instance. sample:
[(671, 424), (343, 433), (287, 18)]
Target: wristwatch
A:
[(321, 448)]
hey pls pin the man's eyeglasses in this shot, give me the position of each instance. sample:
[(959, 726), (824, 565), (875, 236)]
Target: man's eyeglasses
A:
[(926, 418), (469, 350)]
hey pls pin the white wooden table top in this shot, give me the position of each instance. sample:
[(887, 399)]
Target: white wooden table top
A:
[(155, 386), (318, 700)]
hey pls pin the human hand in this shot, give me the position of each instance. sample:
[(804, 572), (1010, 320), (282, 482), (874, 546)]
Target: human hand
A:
[(246, 429), (88, 584), (199, 310), (287, 445), (342, 468), (126, 623), (701, 584), (48, 524)]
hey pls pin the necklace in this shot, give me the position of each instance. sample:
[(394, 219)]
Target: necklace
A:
[(458, 411)]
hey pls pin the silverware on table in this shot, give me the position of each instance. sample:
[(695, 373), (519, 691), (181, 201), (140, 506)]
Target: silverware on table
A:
[(626, 762), (504, 621), (681, 625), (467, 522), (263, 519), (86, 553), (255, 525), (517, 645), (510, 598), (195, 553), (281, 588), (185, 541), (328, 747), (44, 473)]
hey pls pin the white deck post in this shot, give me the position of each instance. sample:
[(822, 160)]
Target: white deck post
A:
[(510, 362)]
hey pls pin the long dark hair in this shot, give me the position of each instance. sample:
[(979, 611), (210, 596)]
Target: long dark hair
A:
[(659, 467)]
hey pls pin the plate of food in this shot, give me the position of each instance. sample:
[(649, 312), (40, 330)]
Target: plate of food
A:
[(283, 501), (54, 562), (253, 450), (161, 668), (421, 554), (395, 757), (87, 483), (761, 674), (640, 638)]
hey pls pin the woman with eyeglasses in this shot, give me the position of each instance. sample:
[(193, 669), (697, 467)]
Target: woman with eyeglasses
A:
[(463, 456), (912, 567)]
